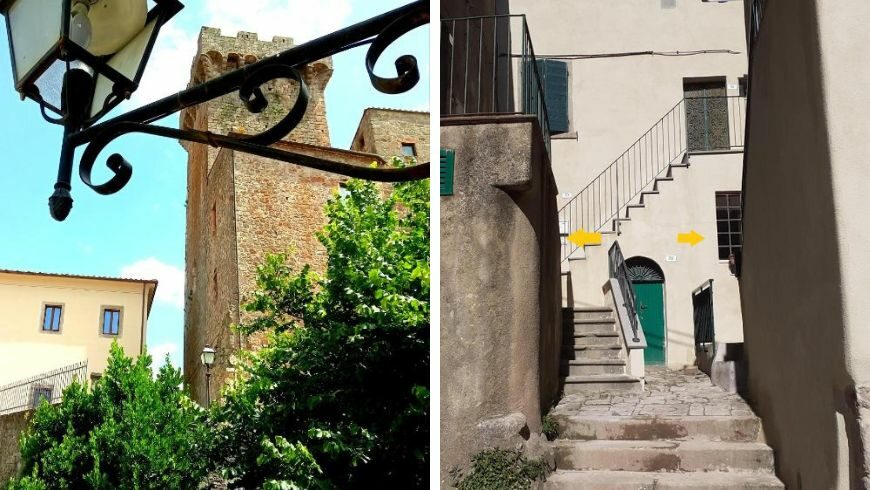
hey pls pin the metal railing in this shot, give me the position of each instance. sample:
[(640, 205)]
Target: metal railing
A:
[(619, 271), (693, 125), (702, 306), (27, 393), (489, 67)]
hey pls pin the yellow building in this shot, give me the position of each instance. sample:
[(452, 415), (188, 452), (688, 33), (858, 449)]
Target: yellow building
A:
[(52, 321)]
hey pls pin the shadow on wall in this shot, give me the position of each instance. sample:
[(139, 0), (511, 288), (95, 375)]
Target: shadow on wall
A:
[(790, 285)]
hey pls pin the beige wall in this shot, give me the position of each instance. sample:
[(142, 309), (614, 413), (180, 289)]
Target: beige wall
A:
[(805, 268), (26, 350), (616, 100), (684, 204), (500, 313)]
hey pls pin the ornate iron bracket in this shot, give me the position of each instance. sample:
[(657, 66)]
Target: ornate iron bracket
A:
[(378, 32)]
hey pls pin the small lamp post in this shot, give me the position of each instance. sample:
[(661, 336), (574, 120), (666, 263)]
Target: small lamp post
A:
[(79, 59), (207, 358)]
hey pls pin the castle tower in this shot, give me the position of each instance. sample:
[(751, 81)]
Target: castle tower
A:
[(241, 207)]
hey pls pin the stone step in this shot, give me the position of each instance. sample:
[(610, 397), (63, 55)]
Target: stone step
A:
[(589, 313), (601, 383), (586, 340), (631, 480), (668, 456), (601, 366), (711, 428), (579, 329), (644, 194), (592, 352)]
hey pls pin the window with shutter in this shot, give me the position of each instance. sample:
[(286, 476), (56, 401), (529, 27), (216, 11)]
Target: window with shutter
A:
[(554, 80)]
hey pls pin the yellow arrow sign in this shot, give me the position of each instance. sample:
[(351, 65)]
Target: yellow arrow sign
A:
[(581, 238), (693, 238)]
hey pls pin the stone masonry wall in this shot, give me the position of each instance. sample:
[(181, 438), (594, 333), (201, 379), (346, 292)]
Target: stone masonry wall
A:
[(383, 131), (11, 427)]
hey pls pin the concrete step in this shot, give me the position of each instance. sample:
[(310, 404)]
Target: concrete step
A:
[(580, 329), (659, 180), (587, 340), (592, 352), (601, 383), (709, 428), (667, 456), (644, 194), (631, 480), (600, 366), (588, 313), (632, 207)]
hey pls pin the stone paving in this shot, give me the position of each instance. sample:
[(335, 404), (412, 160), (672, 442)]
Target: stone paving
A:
[(667, 393)]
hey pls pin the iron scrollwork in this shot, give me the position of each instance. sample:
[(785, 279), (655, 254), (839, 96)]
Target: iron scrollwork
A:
[(378, 32)]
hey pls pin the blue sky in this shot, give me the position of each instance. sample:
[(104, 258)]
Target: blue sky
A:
[(139, 232)]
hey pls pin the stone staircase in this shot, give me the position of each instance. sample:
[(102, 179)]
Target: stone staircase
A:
[(593, 353), (682, 432)]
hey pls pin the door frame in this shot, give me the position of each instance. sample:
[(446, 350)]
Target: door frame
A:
[(640, 259)]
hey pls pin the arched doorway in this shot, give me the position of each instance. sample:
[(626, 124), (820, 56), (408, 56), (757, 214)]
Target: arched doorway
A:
[(648, 282)]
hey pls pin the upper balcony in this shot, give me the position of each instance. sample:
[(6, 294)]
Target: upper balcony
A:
[(489, 68)]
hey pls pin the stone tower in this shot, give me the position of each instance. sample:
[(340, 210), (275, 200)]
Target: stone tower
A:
[(241, 207)]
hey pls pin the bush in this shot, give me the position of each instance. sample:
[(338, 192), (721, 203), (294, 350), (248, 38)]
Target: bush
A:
[(338, 396), (549, 427), (502, 469), (130, 430)]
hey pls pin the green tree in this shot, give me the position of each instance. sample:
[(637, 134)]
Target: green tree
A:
[(129, 430), (339, 395)]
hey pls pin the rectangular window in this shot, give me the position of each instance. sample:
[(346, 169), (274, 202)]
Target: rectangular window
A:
[(409, 150), (111, 323), (729, 224), (51, 316)]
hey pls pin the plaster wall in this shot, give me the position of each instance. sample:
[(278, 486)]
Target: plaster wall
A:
[(806, 241), (25, 350), (500, 314), (614, 101), (687, 203)]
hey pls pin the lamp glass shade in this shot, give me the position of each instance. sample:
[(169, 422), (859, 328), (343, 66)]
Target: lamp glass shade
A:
[(207, 356), (35, 28), (127, 62), (114, 23)]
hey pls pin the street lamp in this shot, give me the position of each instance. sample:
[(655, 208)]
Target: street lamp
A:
[(207, 358), (79, 59)]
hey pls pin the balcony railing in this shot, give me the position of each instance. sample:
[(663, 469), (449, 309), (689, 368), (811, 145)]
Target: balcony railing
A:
[(694, 125), (489, 67), (28, 393)]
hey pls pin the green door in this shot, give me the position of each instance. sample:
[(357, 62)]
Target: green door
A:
[(651, 311)]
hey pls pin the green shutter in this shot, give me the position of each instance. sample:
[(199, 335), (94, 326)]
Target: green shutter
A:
[(447, 159), (555, 75)]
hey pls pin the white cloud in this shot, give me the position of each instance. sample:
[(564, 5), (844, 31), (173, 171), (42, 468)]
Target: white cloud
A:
[(158, 352), (168, 69), (301, 20), (170, 287)]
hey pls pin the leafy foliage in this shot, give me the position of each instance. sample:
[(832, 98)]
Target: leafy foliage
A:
[(339, 397), (549, 427), (502, 469), (129, 430)]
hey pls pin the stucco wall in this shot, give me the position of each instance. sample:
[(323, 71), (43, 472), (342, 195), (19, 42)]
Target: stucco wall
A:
[(26, 350), (500, 316), (687, 203), (613, 101), (11, 427), (806, 241)]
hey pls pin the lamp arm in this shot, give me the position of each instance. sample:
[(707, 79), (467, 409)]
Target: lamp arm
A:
[(379, 32)]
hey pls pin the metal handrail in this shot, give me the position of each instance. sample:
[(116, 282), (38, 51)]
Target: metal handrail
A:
[(482, 62), (680, 131), (619, 271), (27, 393)]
